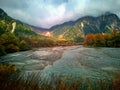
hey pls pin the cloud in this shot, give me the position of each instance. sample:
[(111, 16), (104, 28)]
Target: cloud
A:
[(46, 13)]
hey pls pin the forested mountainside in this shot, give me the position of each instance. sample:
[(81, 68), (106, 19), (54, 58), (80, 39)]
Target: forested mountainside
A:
[(85, 25), (8, 24), (17, 36)]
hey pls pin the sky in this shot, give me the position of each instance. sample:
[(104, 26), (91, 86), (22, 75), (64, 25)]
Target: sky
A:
[(47, 13)]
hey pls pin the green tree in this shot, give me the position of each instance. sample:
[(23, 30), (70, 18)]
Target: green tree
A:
[(10, 42), (2, 27), (99, 40), (2, 50), (24, 45), (116, 38)]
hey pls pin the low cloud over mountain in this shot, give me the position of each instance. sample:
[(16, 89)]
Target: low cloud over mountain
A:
[(46, 13)]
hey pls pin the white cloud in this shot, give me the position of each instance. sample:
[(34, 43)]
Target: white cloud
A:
[(46, 13)]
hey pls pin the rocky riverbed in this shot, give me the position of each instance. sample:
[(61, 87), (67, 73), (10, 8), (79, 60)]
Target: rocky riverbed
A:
[(70, 61)]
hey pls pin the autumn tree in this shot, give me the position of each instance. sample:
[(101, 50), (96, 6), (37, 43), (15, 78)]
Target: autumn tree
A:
[(89, 40)]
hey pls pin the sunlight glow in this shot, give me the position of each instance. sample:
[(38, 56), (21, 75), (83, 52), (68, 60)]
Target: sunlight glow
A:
[(48, 34)]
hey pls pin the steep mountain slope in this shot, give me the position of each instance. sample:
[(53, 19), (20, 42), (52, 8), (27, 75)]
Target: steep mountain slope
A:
[(17, 36), (14, 26), (88, 24)]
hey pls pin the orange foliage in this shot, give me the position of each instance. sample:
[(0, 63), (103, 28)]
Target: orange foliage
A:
[(89, 39), (103, 40)]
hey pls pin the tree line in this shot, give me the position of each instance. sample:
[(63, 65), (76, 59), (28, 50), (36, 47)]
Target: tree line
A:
[(103, 40)]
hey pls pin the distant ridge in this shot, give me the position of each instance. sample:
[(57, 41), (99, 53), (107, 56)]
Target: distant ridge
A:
[(87, 24)]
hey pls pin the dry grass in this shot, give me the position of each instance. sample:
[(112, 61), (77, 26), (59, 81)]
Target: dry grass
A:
[(32, 82)]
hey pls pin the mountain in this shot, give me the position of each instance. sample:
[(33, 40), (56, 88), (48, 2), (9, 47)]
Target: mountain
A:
[(8, 24), (74, 30), (2, 13), (17, 36)]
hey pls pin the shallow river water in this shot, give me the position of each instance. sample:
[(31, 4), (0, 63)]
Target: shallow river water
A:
[(73, 61)]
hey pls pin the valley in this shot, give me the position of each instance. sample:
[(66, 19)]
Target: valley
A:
[(82, 54)]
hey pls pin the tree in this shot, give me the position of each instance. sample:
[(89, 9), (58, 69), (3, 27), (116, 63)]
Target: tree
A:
[(11, 48), (116, 38), (10, 42), (99, 40), (2, 27), (89, 40), (2, 50), (24, 45)]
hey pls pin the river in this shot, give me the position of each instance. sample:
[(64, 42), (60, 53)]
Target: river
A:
[(73, 61)]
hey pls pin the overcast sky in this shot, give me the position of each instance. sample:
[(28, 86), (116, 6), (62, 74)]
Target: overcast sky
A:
[(46, 13)]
